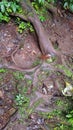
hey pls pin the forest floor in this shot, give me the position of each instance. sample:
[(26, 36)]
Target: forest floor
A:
[(26, 95)]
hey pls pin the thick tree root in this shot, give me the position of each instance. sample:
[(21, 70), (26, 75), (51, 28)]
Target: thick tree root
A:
[(43, 38), (14, 67)]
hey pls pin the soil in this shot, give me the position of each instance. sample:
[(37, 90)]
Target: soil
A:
[(20, 52)]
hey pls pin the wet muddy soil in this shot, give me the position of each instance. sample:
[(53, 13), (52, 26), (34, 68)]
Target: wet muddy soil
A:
[(23, 94)]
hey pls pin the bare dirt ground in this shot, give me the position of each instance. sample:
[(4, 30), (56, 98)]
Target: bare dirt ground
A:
[(21, 52)]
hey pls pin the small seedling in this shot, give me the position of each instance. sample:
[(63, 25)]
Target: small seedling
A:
[(42, 18), (22, 100)]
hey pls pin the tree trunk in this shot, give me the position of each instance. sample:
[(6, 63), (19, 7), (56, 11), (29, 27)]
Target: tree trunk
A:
[(43, 38)]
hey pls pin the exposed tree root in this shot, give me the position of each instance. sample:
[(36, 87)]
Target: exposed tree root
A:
[(15, 67), (43, 38), (55, 11)]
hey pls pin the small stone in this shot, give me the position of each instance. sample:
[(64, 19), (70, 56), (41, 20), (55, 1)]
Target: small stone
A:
[(33, 52), (40, 121), (1, 94), (28, 47), (5, 34)]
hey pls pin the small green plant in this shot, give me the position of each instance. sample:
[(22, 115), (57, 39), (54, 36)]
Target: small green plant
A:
[(29, 82), (30, 27), (18, 75), (2, 70), (19, 100), (51, 59), (42, 18), (22, 103), (59, 102), (69, 116), (22, 100), (24, 26)]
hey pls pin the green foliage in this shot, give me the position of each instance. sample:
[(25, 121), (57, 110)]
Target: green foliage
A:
[(22, 100), (51, 59), (42, 18), (40, 10), (68, 4), (41, 2), (65, 113), (59, 102), (51, 1), (8, 7), (62, 115), (18, 75), (69, 116), (29, 82), (67, 72), (2, 70), (24, 26)]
